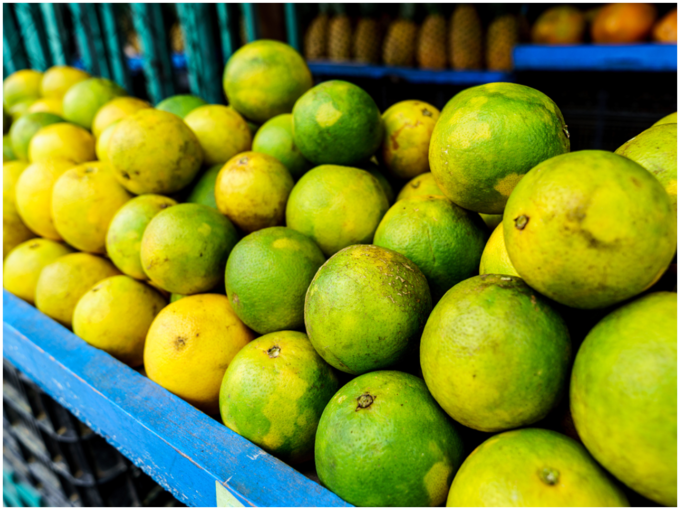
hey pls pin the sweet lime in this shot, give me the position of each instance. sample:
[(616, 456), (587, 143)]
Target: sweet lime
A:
[(58, 79), (21, 86), (275, 138), (114, 110), (181, 105), (83, 100), (62, 140), (422, 185), (495, 258), (26, 127), (222, 132), (203, 191)]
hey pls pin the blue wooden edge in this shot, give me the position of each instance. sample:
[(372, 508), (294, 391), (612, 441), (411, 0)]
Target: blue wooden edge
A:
[(183, 449)]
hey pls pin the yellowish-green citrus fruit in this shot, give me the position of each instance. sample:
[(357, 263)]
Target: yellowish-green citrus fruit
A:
[(14, 232), (445, 241), (83, 100), (385, 183), (488, 137), (668, 119), (153, 151), (337, 123), (7, 151), (84, 200), (189, 346), (58, 79), (203, 191), (252, 190), (21, 108), (63, 282), (115, 316), (33, 192), (102, 146), (181, 105), (26, 127), (124, 236), (624, 395), (337, 206), (273, 394), (494, 354), (365, 308), (24, 263), (533, 467), (46, 104), (116, 109), (422, 185), (62, 140), (222, 132), (267, 276), (264, 78), (492, 220), (185, 248), (495, 258), (384, 441), (589, 229), (20, 86), (406, 140), (275, 138)]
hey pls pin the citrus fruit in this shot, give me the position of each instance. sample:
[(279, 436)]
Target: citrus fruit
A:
[(422, 185), (180, 105), (273, 394), (495, 258), (62, 140), (24, 263), (14, 232), (624, 395), (46, 104), (185, 248), (116, 109), (84, 200), (623, 23), (494, 354), (668, 119), (28, 125), (190, 345), (491, 220), (406, 138), (58, 79), (124, 236), (83, 100), (252, 190), (489, 136), (533, 467), (203, 191), (267, 276), (365, 308), (102, 144), (33, 192), (264, 78), (7, 151), (589, 229), (377, 172), (336, 206), (63, 282), (21, 108), (384, 441), (442, 239), (666, 29), (20, 86), (275, 138), (561, 24), (115, 316), (338, 123), (152, 151), (222, 132)]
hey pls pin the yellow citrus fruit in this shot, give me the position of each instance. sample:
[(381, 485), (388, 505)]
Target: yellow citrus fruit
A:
[(222, 132), (58, 79), (115, 316), (153, 151), (83, 99), (252, 190), (21, 108), (495, 258), (14, 232), (21, 85), (63, 282), (33, 193), (422, 185), (84, 200), (24, 263), (114, 110), (24, 129), (46, 104), (102, 145), (62, 140), (406, 139), (668, 119), (190, 345)]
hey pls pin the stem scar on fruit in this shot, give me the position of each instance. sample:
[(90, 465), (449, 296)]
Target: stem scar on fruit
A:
[(364, 401), (521, 222)]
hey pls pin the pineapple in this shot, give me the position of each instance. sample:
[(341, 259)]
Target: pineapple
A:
[(316, 37), (431, 50), (339, 35), (176, 38), (500, 40), (367, 36), (399, 45), (465, 38)]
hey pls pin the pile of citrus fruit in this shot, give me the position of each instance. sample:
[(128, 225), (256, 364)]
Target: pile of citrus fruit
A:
[(434, 306)]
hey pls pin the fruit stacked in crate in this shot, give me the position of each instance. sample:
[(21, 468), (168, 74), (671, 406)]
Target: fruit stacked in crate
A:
[(449, 305)]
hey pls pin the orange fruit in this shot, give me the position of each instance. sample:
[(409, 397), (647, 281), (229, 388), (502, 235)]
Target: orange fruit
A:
[(623, 23)]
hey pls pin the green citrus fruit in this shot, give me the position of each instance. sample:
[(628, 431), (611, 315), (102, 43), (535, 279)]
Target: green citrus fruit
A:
[(180, 105), (28, 125), (275, 138), (422, 185), (7, 151), (210, 123), (203, 191), (589, 229), (114, 110), (492, 220), (20, 86), (365, 308), (376, 172), (21, 108), (668, 119), (445, 241), (495, 258), (83, 100), (58, 79), (494, 354), (624, 395), (264, 78), (384, 441), (62, 140), (488, 137), (336, 206), (337, 123), (533, 467), (273, 394)]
